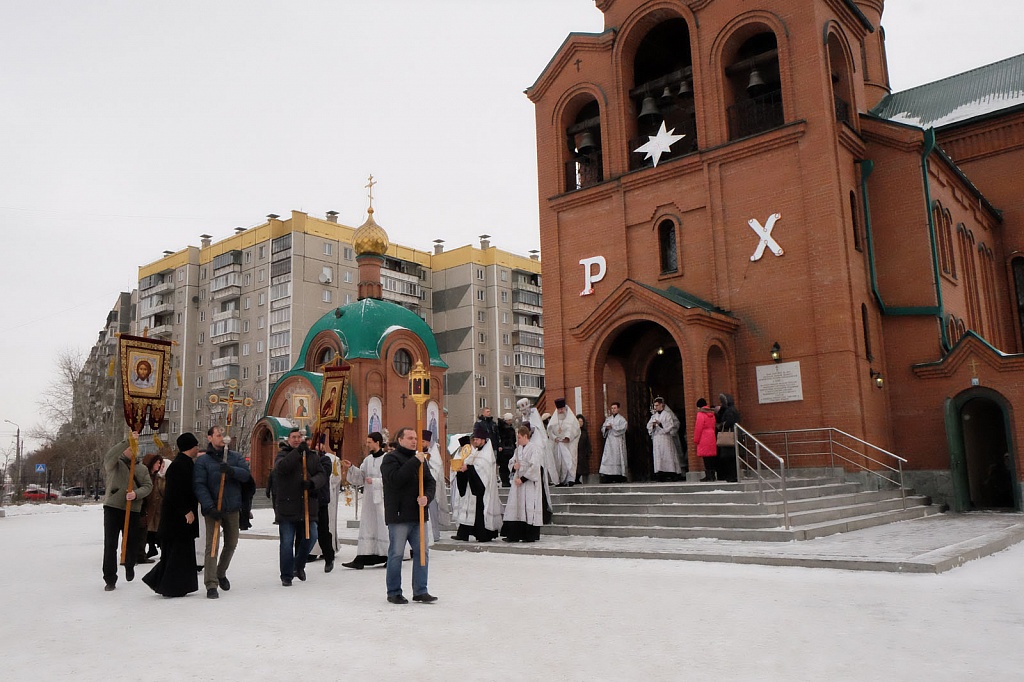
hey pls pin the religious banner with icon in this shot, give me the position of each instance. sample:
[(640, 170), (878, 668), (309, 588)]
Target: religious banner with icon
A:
[(333, 400), (145, 372)]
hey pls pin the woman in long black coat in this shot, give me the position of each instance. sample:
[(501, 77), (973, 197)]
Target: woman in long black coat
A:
[(175, 574)]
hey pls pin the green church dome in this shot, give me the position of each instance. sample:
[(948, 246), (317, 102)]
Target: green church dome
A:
[(362, 327)]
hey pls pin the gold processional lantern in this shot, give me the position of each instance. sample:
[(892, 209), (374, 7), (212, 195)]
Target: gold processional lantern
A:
[(419, 391)]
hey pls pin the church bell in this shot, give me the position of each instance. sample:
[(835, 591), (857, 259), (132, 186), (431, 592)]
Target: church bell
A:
[(586, 143), (756, 85), (648, 108)]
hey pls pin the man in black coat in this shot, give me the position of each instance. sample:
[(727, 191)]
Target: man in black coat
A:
[(506, 447), (297, 475), (175, 574), (401, 470)]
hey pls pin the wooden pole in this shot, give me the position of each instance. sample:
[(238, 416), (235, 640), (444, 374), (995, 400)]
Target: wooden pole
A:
[(305, 493), (134, 444), (423, 526), (220, 504)]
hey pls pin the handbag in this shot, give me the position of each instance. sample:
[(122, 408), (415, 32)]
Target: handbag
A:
[(726, 439)]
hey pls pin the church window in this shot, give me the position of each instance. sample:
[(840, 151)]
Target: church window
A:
[(326, 355), (858, 239), (943, 221), (402, 362), (988, 283), (967, 245), (753, 83), (662, 91), (667, 247), (584, 166), (842, 92), (865, 328)]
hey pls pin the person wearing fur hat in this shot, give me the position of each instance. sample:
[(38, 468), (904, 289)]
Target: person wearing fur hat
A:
[(477, 508), (175, 574)]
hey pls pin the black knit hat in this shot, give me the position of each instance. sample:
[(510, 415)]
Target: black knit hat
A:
[(186, 441)]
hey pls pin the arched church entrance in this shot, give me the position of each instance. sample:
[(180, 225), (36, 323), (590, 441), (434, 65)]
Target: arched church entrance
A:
[(642, 363), (981, 452)]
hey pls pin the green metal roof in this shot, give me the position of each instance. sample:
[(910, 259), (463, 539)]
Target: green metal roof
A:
[(685, 299), (362, 327), (965, 96)]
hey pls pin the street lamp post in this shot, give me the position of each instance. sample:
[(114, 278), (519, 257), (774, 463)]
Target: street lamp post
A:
[(17, 456)]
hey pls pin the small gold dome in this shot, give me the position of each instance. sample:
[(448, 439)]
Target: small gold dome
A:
[(370, 238)]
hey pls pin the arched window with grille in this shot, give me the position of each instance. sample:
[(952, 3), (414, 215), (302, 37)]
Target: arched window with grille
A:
[(667, 247)]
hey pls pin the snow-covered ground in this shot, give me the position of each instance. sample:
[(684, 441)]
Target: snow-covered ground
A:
[(499, 617)]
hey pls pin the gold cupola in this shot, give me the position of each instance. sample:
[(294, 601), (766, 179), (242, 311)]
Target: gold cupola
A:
[(370, 238)]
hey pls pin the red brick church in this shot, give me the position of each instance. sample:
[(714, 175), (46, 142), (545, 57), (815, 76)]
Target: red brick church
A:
[(733, 200)]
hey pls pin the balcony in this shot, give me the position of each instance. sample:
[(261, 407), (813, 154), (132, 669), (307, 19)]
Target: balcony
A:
[(527, 392), (755, 115), (158, 309), (163, 288), (227, 292), (519, 285), (223, 361), (227, 315), (535, 371), (526, 308), (528, 328), (228, 337), (163, 331)]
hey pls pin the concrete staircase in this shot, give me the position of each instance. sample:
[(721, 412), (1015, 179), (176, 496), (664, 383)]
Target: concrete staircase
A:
[(818, 506)]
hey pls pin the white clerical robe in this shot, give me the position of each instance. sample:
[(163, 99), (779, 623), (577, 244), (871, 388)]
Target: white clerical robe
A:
[(563, 426), (332, 507), (464, 512), (525, 501), (613, 459), (439, 510), (664, 428), (373, 532)]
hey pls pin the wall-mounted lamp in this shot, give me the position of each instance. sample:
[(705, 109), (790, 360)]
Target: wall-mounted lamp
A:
[(878, 379), (661, 351), (776, 352)]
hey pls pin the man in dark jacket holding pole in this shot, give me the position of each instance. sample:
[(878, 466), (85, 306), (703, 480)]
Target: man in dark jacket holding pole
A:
[(297, 476), (217, 467), (401, 471)]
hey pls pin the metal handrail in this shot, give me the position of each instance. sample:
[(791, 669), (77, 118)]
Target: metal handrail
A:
[(896, 467), (744, 440)]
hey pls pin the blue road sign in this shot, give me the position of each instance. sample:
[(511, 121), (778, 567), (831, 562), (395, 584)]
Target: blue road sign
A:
[(40, 468)]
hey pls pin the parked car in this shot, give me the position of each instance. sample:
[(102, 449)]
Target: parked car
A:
[(37, 494), (74, 491)]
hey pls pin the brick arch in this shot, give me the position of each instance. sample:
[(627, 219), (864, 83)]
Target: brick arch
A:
[(323, 341), (837, 48)]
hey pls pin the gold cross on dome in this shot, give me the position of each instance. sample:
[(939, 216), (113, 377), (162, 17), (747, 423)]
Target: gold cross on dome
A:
[(369, 186)]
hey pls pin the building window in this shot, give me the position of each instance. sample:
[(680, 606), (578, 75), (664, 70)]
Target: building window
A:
[(667, 247), (347, 277), (202, 274), (262, 274), (199, 360), (867, 332), (326, 297), (262, 252), (348, 298), (181, 275), (347, 253), (259, 346), (481, 381), (261, 322), (245, 349), (480, 294), (480, 274), (262, 299), (177, 318), (482, 338), (199, 382), (248, 256), (245, 372), (199, 404), (504, 275), (483, 403), (248, 278), (753, 85), (504, 317), (259, 370), (481, 316), (506, 360), (584, 166), (402, 362), (507, 401), (506, 382), (245, 303), (202, 316), (328, 249), (481, 359), (855, 223), (943, 221), (202, 337), (504, 297), (506, 339)]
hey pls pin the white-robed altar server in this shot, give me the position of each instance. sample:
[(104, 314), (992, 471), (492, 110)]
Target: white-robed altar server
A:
[(664, 429), (372, 547), (524, 510), (477, 509), (564, 437), (614, 464), (439, 511), (539, 437)]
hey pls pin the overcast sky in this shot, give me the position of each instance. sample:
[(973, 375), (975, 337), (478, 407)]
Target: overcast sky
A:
[(133, 127)]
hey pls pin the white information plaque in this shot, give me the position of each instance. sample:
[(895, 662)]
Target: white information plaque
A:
[(779, 383)]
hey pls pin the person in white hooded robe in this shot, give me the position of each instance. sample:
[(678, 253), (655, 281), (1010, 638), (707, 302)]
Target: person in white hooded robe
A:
[(372, 547), (524, 511), (663, 427), (477, 508), (539, 437), (564, 436)]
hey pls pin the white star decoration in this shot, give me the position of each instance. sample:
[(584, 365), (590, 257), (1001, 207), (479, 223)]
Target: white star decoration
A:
[(659, 144)]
